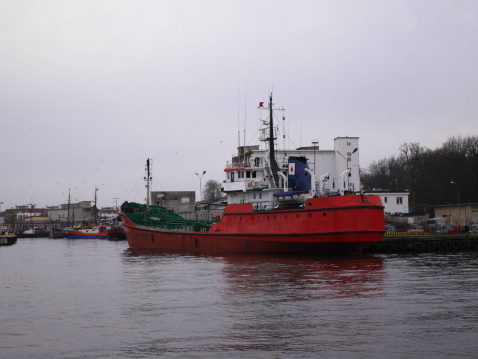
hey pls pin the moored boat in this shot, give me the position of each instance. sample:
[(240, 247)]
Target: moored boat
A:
[(35, 232), (93, 232), (271, 209), (116, 234), (7, 238), (55, 232)]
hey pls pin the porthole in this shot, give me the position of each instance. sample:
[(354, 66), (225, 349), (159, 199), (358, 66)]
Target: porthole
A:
[(324, 214)]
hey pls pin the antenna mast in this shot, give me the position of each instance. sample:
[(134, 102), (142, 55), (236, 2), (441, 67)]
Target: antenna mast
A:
[(148, 178), (273, 162), (238, 118)]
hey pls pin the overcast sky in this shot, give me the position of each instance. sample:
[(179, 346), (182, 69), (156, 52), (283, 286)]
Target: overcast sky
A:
[(90, 89)]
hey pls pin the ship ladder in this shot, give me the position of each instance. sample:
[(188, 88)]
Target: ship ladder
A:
[(270, 177)]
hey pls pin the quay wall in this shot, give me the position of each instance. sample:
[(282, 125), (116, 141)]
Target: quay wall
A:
[(404, 242)]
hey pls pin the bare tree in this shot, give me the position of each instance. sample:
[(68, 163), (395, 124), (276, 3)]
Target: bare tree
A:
[(413, 155), (445, 175), (387, 173), (212, 191)]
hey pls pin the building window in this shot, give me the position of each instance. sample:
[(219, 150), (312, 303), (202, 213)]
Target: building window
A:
[(399, 200)]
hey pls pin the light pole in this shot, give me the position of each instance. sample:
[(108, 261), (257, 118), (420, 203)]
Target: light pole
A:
[(116, 201), (458, 187), (314, 142), (1, 207), (458, 202), (347, 160), (200, 184)]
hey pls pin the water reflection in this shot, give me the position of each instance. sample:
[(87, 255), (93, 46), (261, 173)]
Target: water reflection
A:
[(262, 304), (296, 303), (322, 277)]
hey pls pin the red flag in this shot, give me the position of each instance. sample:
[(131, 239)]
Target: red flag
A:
[(261, 104)]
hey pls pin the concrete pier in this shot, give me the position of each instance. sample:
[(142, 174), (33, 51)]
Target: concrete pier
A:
[(424, 243)]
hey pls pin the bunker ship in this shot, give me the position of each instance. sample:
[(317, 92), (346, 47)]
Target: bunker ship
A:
[(270, 209)]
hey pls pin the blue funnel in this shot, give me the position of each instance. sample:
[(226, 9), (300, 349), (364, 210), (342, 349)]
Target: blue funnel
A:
[(299, 178)]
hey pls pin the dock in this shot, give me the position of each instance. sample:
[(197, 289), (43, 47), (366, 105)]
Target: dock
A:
[(417, 242)]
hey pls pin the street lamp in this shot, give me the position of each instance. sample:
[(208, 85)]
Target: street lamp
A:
[(314, 142), (349, 156), (347, 160), (458, 188), (200, 184), (1, 207)]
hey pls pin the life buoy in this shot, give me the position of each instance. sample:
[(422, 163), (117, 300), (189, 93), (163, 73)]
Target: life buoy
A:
[(136, 210)]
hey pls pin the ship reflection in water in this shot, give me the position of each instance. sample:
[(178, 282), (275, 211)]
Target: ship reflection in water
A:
[(300, 304), (268, 304)]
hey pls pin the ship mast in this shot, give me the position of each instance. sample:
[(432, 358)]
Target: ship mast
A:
[(148, 178), (96, 208), (272, 157), (68, 213)]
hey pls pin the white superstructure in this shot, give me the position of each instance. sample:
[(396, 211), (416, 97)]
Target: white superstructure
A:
[(250, 177)]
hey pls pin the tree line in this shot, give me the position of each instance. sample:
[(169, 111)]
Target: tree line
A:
[(446, 175)]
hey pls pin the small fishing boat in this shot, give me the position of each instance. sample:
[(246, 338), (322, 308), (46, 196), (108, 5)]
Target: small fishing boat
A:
[(7, 238), (35, 232), (116, 234), (87, 232), (55, 232)]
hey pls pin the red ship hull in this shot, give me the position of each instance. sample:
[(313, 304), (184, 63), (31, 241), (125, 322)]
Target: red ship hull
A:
[(325, 225)]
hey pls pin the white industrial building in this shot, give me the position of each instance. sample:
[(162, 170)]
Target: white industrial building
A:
[(395, 203), (330, 166)]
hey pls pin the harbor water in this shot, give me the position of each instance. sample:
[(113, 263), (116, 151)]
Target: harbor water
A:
[(63, 298)]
